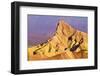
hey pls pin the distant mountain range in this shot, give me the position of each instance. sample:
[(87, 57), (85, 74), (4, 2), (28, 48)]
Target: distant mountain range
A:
[(66, 43)]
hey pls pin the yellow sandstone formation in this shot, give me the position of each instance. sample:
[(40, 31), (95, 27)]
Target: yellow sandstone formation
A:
[(67, 43)]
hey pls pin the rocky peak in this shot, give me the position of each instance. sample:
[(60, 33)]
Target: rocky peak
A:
[(64, 28)]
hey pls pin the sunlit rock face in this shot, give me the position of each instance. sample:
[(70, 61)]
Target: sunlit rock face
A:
[(66, 43)]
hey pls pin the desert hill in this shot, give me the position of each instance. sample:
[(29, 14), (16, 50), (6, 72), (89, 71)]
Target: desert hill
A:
[(66, 43)]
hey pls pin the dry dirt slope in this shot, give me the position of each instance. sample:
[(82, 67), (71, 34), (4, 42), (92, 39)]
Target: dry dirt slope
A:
[(67, 43)]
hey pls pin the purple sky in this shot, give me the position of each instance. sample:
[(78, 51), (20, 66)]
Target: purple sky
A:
[(42, 27)]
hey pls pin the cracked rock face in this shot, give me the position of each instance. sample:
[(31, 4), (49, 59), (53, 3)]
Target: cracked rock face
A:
[(66, 43)]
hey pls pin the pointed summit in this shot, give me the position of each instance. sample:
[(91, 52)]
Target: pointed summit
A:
[(64, 28), (61, 21)]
